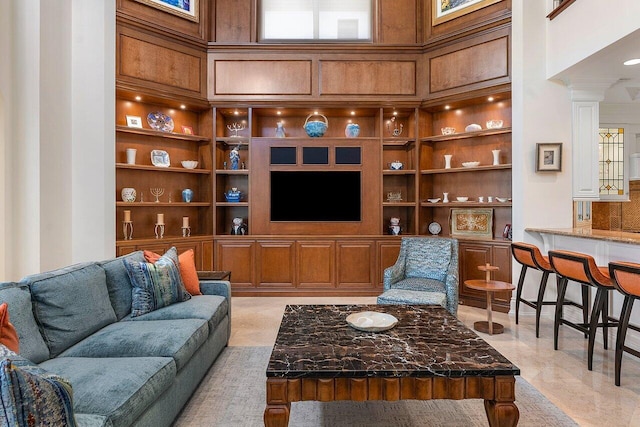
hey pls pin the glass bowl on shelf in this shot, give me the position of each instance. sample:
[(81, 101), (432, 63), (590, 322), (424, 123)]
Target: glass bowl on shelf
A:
[(470, 164)]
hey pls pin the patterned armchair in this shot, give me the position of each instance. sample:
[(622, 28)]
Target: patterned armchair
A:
[(426, 272)]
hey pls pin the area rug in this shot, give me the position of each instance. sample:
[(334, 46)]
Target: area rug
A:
[(233, 395)]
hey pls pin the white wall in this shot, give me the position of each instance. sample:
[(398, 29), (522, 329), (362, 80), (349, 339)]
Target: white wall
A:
[(58, 168)]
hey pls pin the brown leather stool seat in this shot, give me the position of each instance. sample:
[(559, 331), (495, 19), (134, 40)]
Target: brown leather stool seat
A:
[(626, 279), (582, 268), (530, 257)]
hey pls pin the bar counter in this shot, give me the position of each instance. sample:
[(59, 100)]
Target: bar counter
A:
[(588, 233)]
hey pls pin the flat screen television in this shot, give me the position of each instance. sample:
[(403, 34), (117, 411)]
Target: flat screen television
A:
[(304, 196)]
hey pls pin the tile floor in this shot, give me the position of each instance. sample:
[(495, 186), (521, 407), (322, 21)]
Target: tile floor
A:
[(589, 397)]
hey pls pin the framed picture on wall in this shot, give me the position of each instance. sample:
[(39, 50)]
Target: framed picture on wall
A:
[(549, 157), (187, 9), (477, 223), (446, 10)]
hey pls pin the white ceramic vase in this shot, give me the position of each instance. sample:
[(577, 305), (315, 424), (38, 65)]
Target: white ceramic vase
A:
[(128, 194), (445, 197), (447, 161), (496, 157)]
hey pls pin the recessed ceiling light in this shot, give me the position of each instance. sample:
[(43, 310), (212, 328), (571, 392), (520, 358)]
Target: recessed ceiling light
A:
[(183, 106), (634, 61), (447, 107), (490, 99), (353, 113), (138, 98)]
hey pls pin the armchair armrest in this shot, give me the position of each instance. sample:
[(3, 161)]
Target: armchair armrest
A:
[(393, 274)]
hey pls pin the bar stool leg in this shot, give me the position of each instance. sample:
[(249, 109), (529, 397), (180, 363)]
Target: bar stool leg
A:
[(519, 291), (562, 289), (539, 302), (625, 315), (593, 324), (585, 306), (605, 320)]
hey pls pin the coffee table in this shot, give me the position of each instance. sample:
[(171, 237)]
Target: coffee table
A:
[(429, 354)]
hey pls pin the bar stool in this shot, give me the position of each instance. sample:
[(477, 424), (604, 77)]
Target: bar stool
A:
[(530, 257), (626, 279), (582, 268)]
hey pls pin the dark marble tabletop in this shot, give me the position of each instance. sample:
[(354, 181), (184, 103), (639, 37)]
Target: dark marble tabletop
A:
[(315, 341)]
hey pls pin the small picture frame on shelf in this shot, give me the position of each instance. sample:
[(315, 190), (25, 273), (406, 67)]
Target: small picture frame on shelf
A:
[(549, 157), (134, 122), (187, 130)]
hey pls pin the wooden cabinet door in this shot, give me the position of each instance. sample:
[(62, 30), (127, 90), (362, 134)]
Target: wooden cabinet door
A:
[(388, 252), (237, 256), (315, 264), (355, 264), (275, 264)]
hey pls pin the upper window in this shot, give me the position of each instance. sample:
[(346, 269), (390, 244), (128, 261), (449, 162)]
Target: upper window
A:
[(315, 20)]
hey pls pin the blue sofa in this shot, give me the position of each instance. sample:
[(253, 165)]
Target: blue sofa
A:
[(76, 322)]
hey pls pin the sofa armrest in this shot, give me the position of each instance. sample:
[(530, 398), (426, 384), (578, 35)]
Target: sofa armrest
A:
[(216, 287)]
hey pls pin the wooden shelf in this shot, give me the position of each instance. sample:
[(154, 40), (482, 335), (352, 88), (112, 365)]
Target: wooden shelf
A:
[(399, 204), (233, 140), (399, 172), (466, 205), (232, 171), (466, 135), (161, 169), (155, 133), (163, 204), (397, 142), (475, 169), (231, 204), (172, 239)]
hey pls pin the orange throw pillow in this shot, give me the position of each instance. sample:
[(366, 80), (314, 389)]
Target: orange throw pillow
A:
[(187, 267), (8, 334)]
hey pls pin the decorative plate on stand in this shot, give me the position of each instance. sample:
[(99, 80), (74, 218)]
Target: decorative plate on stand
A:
[(435, 228), (160, 121)]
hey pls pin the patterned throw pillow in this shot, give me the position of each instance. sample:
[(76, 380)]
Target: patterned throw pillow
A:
[(31, 396), (155, 285), (8, 333)]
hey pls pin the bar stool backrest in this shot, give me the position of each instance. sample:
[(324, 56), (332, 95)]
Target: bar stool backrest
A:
[(529, 255), (579, 267), (626, 277)]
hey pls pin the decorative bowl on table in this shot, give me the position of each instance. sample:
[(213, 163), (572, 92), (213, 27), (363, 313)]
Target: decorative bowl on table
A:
[(371, 321), (189, 164), (436, 200), (462, 199), (473, 128), (470, 164), (448, 131), (494, 124)]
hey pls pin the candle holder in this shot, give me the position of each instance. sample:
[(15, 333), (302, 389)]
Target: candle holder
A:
[(159, 231), (186, 231), (235, 128), (127, 230), (157, 192)]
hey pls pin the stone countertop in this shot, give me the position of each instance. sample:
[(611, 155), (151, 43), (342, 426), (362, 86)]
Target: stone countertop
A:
[(315, 341), (588, 233)]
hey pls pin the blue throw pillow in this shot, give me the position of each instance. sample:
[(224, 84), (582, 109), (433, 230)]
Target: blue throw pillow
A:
[(31, 396), (155, 285)]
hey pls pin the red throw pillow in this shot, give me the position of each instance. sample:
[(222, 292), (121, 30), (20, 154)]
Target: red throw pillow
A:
[(8, 334), (187, 267)]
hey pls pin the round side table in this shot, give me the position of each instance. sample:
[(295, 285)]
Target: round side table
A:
[(489, 286)]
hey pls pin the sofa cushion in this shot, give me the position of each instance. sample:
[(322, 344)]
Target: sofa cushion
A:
[(93, 420), (187, 266), (420, 284), (211, 308), (8, 334), (156, 285), (31, 396), (118, 282), (18, 298), (119, 388), (178, 339), (70, 304)]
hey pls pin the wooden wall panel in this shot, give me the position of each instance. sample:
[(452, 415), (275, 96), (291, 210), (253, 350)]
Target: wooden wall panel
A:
[(238, 257), (398, 21), (355, 264), (469, 65), (275, 263), (315, 264), (382, 77), (239, 77), (232, 23)]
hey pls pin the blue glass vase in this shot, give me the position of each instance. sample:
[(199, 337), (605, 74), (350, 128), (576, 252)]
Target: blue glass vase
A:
[(187, 195)]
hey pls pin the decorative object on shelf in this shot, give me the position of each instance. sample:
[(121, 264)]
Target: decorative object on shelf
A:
[(494, 124), (316, 128), (127, 226), (224, 165), (141, 197), (239, 228), (187, 195), (394, 196), (472, 222), (444, 11), (448, 130), (507, 233), (435, 228), (157, 192), (134, 122), (462, 198), (160, 121), (470, 164), (394, 226), (397, 128), (490, 199), (447, 161), (234, 156), (160, 158), (473, 128), (445, 197), (131, 156), (159, 227), (169, 197), (352, 130), (233, 195), (186, 229), (481, 199), (371, 321), (396, 165), (189, 164), (502, 199), (235, 128), (549, 157), (128, 194), (280, 132), (496, 157), (436, 200), (187, 130), (184, 9)]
